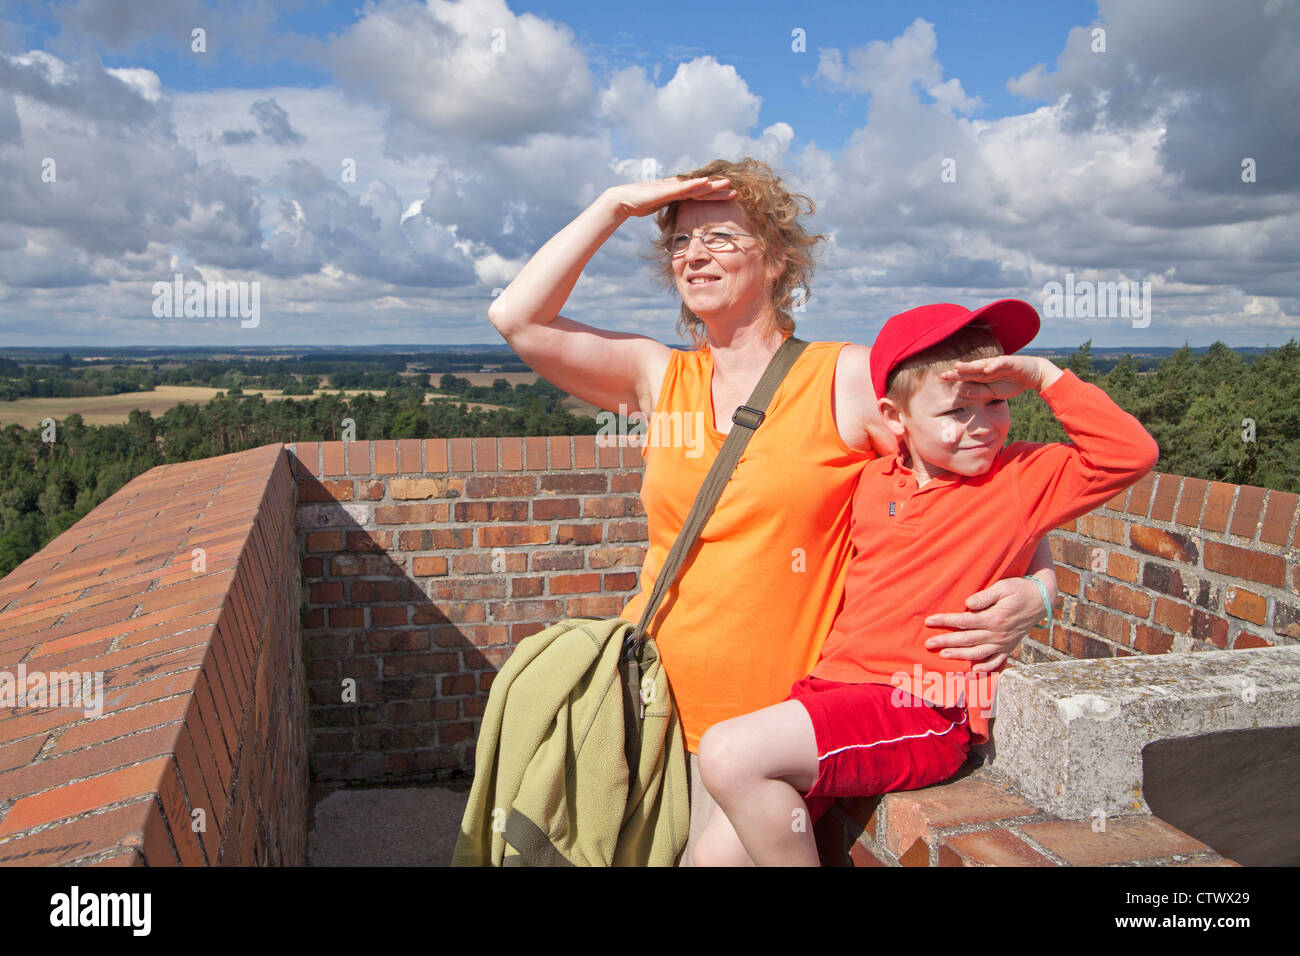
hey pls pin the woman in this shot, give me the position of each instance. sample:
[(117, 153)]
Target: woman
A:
[(766, 578)]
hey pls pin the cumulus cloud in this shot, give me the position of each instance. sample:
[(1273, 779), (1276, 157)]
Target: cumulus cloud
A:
[(1222, 81), (468, 70)]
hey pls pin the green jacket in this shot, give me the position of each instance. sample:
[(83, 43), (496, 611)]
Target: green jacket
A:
[(560, 732)]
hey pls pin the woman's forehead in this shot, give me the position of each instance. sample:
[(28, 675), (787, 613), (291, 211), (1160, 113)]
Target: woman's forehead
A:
[(694, 214)]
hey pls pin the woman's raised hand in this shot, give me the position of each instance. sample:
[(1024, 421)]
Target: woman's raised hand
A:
[(644, 198)]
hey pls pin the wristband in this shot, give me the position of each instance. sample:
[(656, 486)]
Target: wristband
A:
[(1047, 604)]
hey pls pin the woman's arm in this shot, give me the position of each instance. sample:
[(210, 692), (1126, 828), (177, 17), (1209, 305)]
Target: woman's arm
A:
[(999, 616), (612, 370)]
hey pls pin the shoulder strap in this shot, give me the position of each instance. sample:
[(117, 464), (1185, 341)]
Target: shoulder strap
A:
[(746, 420)]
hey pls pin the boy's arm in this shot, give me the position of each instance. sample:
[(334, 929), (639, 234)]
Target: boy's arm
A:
[(1110, 449)]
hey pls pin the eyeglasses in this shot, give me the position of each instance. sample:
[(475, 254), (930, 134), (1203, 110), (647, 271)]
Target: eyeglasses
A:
[(716, 240)]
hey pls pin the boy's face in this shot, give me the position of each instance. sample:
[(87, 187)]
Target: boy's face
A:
[(948, 432)]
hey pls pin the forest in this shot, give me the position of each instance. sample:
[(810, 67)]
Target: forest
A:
[(1214, 415)]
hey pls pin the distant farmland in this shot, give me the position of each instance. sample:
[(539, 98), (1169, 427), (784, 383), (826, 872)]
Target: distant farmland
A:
[(115, 409)]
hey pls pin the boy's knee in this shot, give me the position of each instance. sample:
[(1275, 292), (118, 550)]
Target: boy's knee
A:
[(721, 754)]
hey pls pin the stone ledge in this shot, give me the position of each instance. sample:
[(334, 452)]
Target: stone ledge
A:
[(1069, 735)]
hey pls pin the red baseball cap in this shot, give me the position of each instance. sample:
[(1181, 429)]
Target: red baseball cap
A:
[(1014, 323)]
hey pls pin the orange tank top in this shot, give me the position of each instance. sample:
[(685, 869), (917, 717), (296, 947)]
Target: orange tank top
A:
[(755, 599)]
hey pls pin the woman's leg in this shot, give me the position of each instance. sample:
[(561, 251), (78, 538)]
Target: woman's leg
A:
[(757, 767)]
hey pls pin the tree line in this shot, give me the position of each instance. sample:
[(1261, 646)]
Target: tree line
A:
[(1214, 416)]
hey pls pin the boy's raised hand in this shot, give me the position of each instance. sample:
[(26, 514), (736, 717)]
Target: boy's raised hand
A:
[(1004, 375)]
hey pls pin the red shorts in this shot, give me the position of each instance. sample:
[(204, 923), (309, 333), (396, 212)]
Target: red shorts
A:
[(868, 743)]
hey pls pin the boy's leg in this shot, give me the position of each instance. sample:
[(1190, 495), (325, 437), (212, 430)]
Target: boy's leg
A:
[(757, 767), (719, 845)]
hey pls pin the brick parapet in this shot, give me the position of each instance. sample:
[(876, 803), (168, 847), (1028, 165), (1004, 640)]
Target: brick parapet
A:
[(179, 593), (1176, 564), (426, 561)]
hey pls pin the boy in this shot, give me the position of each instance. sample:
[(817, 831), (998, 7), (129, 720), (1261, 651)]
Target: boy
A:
[(953, 512)]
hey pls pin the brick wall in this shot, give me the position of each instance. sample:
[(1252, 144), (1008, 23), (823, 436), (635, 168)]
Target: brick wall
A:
[(425, 561), (181, 593), (1176, 564)]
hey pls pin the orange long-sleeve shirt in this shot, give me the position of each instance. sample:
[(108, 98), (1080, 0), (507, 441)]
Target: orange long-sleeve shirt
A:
[(957, 535), (756, 596)]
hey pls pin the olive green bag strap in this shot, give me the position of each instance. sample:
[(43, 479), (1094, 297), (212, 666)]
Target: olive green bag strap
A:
[(747, 418)]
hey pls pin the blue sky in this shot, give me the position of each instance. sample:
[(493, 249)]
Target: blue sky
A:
[(957, 151)]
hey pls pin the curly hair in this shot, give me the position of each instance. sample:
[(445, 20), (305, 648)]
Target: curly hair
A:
[(773, 212)]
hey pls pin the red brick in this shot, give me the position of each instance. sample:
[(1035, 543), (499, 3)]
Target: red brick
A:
[(613, 557), (1277, 517), (358, 456), (64, 844), (1218, 506), (914, 815), (584, 451), (312, 490), (1247, 640), (409, 456), (424, 567), (1246, 605), (1245, 563), (526, 611), (1246, 512), (561, 456), (1210, 627), (1139, 498), (332, 458), (512, 454), (461, 454), (1067, 582), (306, 459), (625, 482), (86, 795), (575, 484), (620, 581), (593, 606), (491, 511), (1119, 566), (578, 534), (527, 587), (1153, 640), (992, 847), (547, 509), (505, 536), (1103, 623), (500, 486), (575, 583), (445, 538), (385, 457), (1173, 615), (535, 453), (1166, 496), (435, 455), (1165, 544), (1190, 502), (1118, 597), (1123, 839), (485, 455)]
